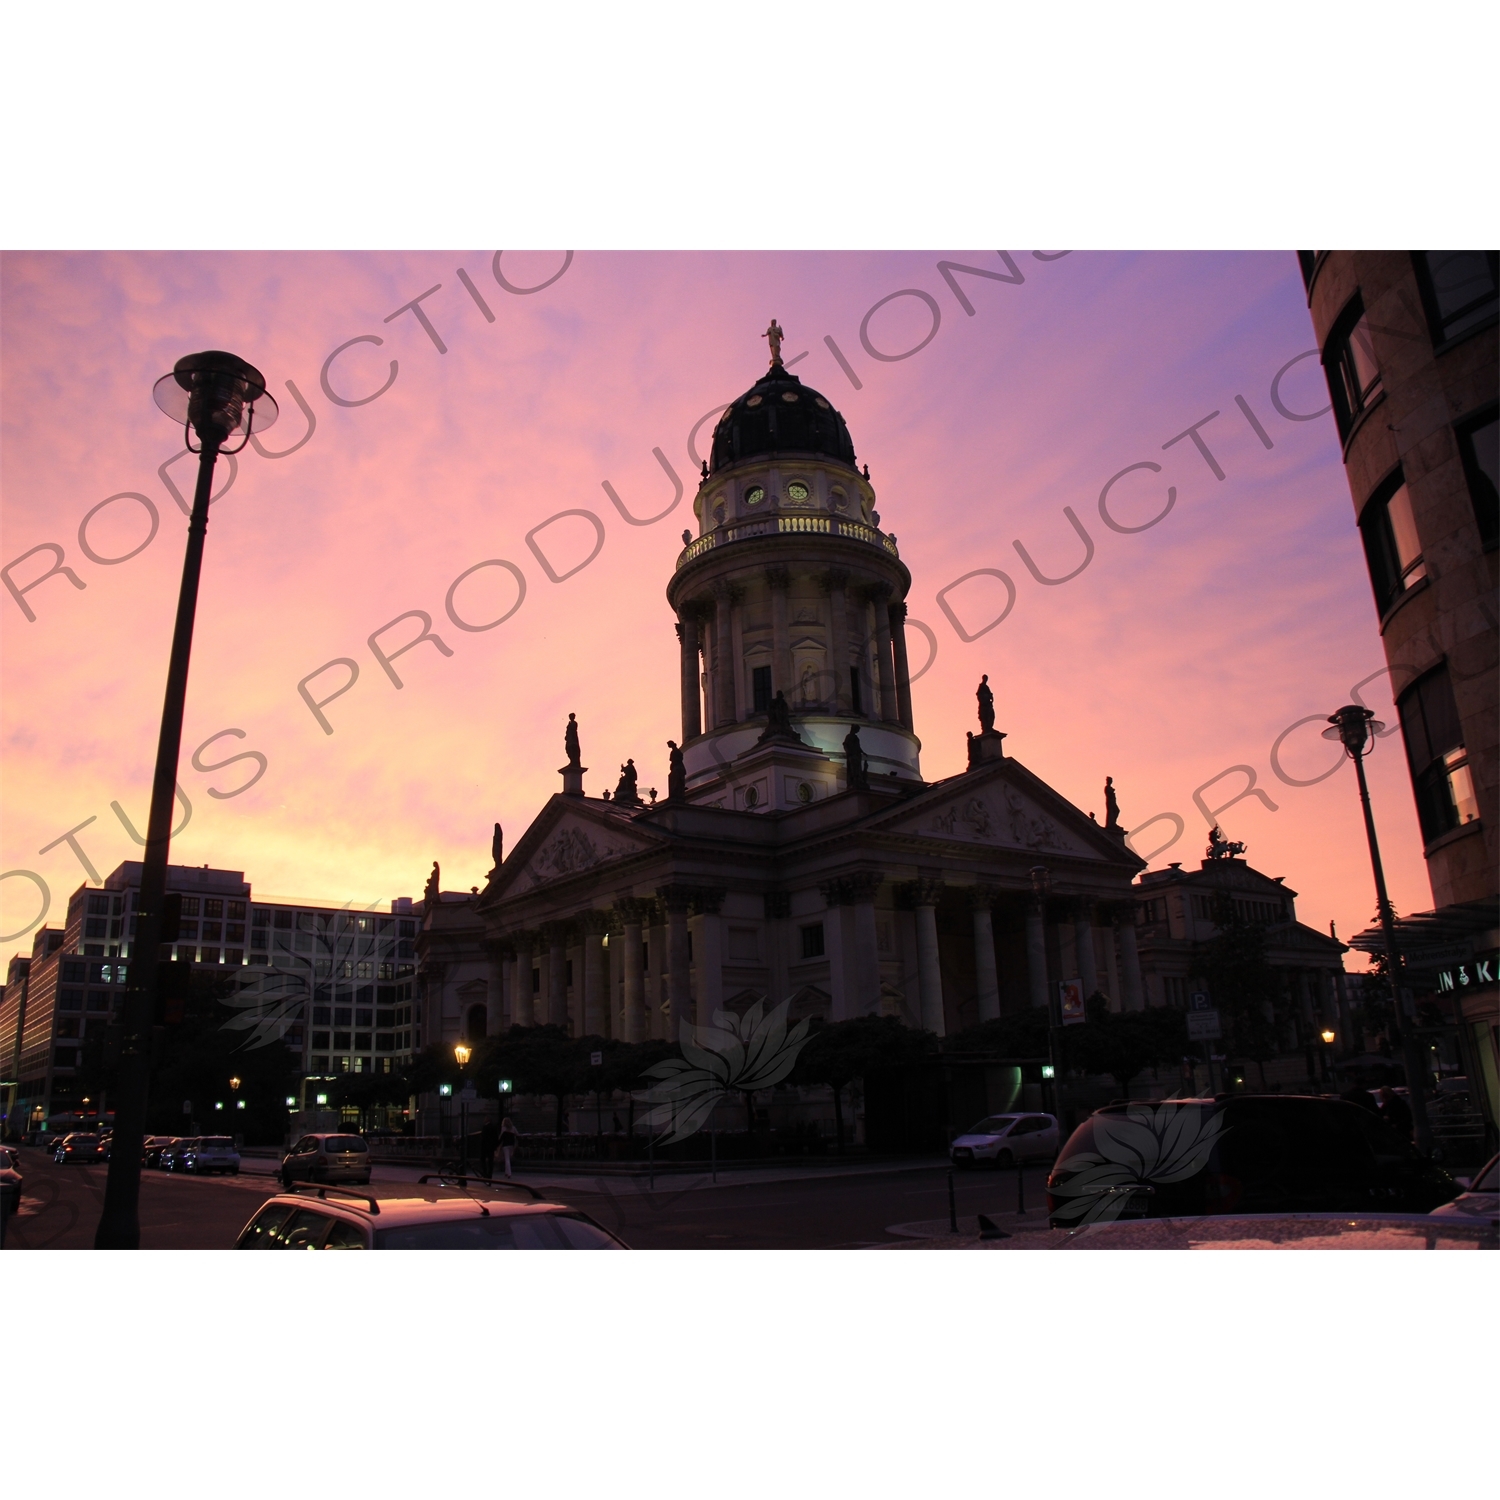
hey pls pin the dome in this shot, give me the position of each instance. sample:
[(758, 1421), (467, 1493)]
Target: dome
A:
[(778, 414)]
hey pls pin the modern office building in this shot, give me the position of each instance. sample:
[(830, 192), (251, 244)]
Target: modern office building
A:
[(334, 984), (1409, 346)]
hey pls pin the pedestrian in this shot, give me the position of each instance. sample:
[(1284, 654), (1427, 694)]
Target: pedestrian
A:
[(489, 1138), (1396, 1112), (509, 1140)]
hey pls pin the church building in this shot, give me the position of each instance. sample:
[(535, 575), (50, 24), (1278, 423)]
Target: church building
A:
[(799, 852)]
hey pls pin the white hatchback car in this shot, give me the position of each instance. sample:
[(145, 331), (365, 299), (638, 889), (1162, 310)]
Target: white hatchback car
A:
[(1480, 1198), (1005, 1140)]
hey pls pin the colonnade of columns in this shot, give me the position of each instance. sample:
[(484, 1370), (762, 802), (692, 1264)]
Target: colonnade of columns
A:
[(711, 629), (615, 993)]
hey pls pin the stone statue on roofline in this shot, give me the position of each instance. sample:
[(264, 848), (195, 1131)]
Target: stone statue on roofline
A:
[(1111, 804), (676, 773), (986, 705), (1221, 848), (625, 790), (570, 741), (858, 768), (497, 851)]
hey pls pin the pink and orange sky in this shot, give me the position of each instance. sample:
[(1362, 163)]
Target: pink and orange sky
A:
[(1180, 651)]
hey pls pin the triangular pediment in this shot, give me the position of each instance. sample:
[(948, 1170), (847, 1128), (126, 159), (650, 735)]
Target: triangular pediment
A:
[(570, 837), (1001, 805)]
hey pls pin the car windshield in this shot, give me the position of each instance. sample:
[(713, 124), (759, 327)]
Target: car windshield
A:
[(552, 1231), (994, 1125), (216, 1143), (1488, 1180), (344, 1143), (83, 1140)]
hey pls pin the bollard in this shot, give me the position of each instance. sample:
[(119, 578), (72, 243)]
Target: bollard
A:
[(952, 1205)]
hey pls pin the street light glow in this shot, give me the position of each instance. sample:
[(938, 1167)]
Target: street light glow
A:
[(462, 1052), (1328, 1035)]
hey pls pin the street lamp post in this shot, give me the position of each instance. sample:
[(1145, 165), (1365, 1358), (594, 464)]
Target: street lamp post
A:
[(216, 396), (1330, 1036), (462, 1052), (1041, 885), (1356, 726)]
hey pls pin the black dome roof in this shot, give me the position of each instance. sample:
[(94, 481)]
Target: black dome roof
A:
[(778, 414)]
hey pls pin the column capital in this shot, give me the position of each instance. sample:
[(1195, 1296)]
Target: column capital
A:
[(833, 580), (877, 591), (676, 898), (636, 911), (778, 577), (926, 890), (707, 899), (898, 610), (556, 934), (980, 897), (523, 938), (862, 885), (592, 923), (501, 948)]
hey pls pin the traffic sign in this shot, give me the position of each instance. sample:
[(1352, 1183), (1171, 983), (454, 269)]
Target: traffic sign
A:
[(1203, 1026), (507, 1086), (1198, 1001), (596, 1059), (1070, 996)]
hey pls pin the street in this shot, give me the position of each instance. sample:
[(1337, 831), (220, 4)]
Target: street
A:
[(792, 1208)]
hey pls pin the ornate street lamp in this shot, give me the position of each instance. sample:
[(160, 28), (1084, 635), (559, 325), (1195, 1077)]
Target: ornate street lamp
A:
[(1356, 727), (462, 1052), (217, 397)]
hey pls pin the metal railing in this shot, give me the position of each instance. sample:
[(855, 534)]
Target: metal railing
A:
[(774, 525)]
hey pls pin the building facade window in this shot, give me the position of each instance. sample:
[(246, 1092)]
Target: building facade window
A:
[(1349, 364), (1479, 444), (812, 941), (1441, 780), (760, 686), (1459, 290), (1393, 551)]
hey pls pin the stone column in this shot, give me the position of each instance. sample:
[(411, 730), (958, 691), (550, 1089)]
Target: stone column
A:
[(885, 673), (859, 891), (555, 935), (633, 912), (593, 925), (1036, 954), (522, 1003), (781, 637), (778, 905), (692, 715), (676, 899), (1130, 957), (834, 582), (897, 615), (709, 958), (925, 895), (737, 647), (432, 991), (981, 899), (496, 952), (723, 667), (1083, 945)]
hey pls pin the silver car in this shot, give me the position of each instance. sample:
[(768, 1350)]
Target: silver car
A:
[(1004, 1140), (1480, 1199), (209, 1153), (327, 1158)]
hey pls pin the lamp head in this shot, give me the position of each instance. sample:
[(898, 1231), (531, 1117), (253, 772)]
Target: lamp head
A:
[(1354, 725), (216, 395), (1328, 1035), (462, 1053), (1041, 881)]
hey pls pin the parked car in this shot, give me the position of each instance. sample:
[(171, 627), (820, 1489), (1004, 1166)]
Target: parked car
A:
[(327, 1158), (1480, 1198), (209, 1153), (78, 1147), (1004, 1140), (429, 1215), (172, 1153), (1239, 1154), (152, 1148)]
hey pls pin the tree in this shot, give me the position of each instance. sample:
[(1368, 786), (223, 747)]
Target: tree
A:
[(839, 1052), (539, 1060), (1123, 1045), (1241, 982), (1022, 1034)]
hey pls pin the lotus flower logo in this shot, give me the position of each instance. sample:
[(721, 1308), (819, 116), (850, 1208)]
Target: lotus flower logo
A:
[(1134, 1152), (734, 1055), (265, 1007)]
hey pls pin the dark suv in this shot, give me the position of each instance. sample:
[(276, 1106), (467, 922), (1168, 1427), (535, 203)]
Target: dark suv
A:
[(1238, 1154)]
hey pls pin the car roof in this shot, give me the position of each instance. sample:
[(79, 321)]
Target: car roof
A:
[(424, 1204)]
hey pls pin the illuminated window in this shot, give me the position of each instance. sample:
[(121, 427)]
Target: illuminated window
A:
[(1349, 364), (1435, 753), (1393, 550)]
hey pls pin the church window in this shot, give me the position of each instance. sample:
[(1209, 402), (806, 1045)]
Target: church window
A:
[(760, 686), (804, 791), (812, 940), (797, 491), (754, 495)]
